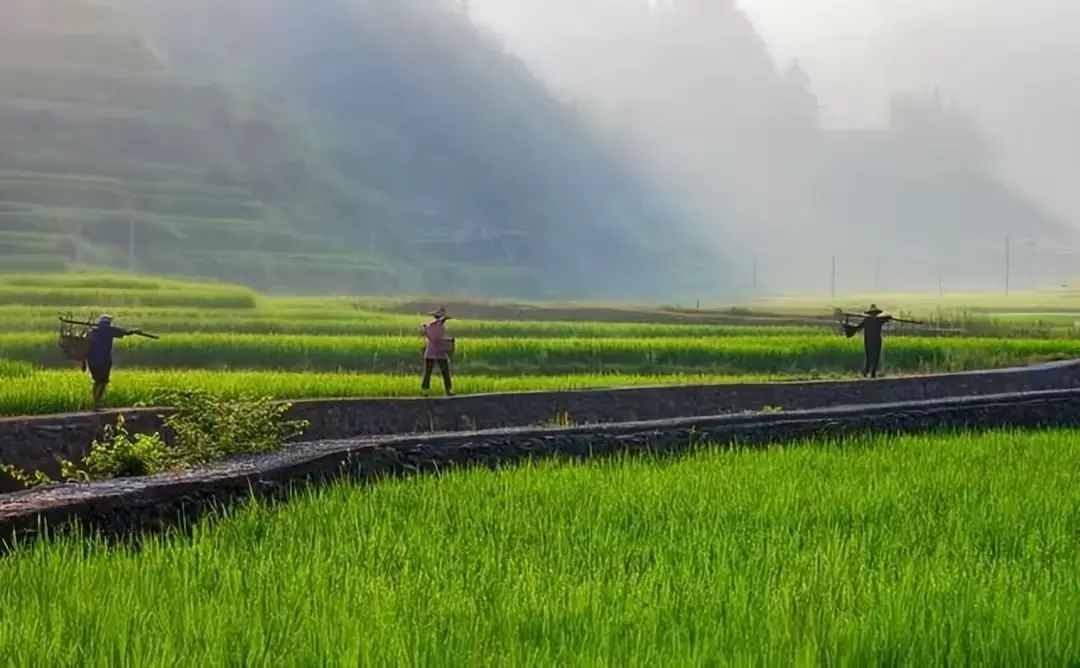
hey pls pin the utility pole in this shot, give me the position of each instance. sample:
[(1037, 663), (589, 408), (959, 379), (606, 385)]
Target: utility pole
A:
[(1007, 265), (753, 270), (79, 242), (832, 283), (877, 275), (940, 278), (1031, 262), (131, 240)]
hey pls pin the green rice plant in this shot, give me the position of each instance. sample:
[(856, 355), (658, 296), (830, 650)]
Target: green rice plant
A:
[(512, 355), (915, 551), (1047, 300), (84, 297), (108, 282), (66, 391), (112, 290), (267, 321), (13, 369)]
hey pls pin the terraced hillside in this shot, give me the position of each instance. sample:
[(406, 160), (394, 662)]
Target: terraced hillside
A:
[(250, 143), (109, 159)]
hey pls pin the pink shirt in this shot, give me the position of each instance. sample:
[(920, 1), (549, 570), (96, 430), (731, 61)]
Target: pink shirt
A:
[(434, 332)]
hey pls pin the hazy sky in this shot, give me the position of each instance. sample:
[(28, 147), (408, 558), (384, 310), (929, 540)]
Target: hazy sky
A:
[(1015, 64)]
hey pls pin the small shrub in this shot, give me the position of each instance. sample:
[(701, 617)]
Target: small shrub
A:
[(560, 420), (120, 454), (207, 428), (204, 428), (25, 478)]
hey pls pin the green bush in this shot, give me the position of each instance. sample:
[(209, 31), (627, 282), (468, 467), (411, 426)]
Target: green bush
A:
[(204, 428), (121, 455)]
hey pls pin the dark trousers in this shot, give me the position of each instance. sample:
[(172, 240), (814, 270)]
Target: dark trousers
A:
[(444, 367), (873, 358), (100, 370)]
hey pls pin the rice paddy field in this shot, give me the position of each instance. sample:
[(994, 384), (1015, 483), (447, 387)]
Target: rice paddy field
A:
[(948, 549), (66, 391), (230, 340)]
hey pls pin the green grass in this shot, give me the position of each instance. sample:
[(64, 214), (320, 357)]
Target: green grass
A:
[(11, 369), (1047, 299), (328, 318), (83, 291), (904, 552), (111, 282), (83, 298), (516, 355), (332, 322), (31, 393)]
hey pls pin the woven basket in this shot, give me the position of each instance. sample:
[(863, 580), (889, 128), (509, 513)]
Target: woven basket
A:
[(449, 347), (75, 347)]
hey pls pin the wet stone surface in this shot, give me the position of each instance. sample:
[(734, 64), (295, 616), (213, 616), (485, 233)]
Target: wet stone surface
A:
[(137, 505)]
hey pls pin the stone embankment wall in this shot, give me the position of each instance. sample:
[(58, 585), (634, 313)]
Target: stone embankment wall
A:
[(34, 443), (132, 506)]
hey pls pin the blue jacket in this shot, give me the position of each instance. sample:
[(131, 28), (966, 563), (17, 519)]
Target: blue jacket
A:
[(101, 344)]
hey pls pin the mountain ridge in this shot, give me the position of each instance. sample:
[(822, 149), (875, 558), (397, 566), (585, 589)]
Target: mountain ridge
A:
[(239, 147)]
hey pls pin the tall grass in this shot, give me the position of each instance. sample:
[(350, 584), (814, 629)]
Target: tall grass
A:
[(106, 282), (275, 319), (106, 290), (12, 369), (730, 354), (907, 552), (364, 323), (25, 393), (1047, 300), (235, 298)]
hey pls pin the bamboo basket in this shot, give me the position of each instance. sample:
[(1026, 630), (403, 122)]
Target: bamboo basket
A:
[(74, 341)]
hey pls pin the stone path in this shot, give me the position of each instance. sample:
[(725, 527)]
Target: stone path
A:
[(130, 506)]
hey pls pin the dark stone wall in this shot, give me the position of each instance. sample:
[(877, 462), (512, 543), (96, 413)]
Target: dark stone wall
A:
[(131, 506), (33, 443)]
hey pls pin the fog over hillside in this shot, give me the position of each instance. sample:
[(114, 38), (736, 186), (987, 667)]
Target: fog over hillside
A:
[(921, 144), (1017, 63), (351, 146), (606, 149)]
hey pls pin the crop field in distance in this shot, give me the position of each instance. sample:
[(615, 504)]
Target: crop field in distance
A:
[(956, 549), (232, 341), (948, 548)]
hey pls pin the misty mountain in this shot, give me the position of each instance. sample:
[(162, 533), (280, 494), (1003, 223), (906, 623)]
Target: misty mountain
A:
[(368, 146), (736, 135)]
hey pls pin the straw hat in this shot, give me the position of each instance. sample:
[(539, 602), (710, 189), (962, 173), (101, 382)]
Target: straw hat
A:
[(439, 313), (873, 310), (104, 319)]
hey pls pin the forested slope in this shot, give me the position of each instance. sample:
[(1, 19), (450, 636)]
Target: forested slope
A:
[(369, 146)]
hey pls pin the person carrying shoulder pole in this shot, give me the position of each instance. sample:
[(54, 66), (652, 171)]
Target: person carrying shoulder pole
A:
[(436, 351), (872, 326), (99, 354)]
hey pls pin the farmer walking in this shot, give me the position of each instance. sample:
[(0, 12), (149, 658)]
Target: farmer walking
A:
[(871, 327), (99, 354), (436, 350)]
